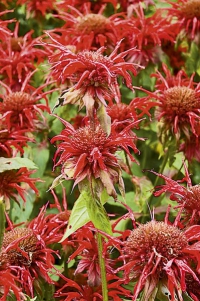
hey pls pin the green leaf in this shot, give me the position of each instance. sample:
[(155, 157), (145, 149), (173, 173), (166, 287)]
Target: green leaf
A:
[(98, 214), (78, 217), (15, 163), (87, 209), (41, 157), (21, 212)]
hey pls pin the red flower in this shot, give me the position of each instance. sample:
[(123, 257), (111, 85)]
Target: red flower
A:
[(88, 152), (186, 197), (179, 104), (22, 109), (93, 76), (158, 252), (11, 140), (4, 31), (19, 56), (88, 30), (187, 14), (8, 285), (81, 5), (71, 291), (125, 114), (147, 35), (36, 9), (10, 181), (191, 147), (25, 252)]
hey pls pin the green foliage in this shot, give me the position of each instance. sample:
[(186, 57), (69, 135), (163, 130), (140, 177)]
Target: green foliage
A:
[(15, 163)]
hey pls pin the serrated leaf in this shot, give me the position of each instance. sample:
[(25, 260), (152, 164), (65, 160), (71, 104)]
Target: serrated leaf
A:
[(16, 163), (98, 214), (78, 217)]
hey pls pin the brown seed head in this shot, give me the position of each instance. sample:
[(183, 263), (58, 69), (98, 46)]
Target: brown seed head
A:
[(181, 100), (191, 9), (24, 252), (92, 23), (158, 237)]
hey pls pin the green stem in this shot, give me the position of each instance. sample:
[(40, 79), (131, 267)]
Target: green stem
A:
[(2, 222), (102, 267)]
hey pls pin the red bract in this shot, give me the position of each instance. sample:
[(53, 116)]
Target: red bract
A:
[(157, 252), (125, 114), (51, 226), (93, 76), (88, 30), (37, 9), (21, 109), (187, 197), (71, 291), (179, 104), (89, 153), (4, 31), (10, 181), (81, 5), (147, 35), (8, 285), (11, 140), (188, 15), (18, 56)]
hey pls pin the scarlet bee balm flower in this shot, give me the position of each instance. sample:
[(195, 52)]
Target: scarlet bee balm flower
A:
[(93, 76), (157, 251), (88, 152)]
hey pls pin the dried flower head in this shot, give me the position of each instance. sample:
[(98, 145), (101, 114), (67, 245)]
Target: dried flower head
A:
[(156, 251), (89, 153)]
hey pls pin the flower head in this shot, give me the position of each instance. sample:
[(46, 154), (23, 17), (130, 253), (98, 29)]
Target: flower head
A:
[(124, 114), (187, 13), (88, 152), (88, 30), (188, 198), (157, 251), (18, 57), (10, 181), (93, 76), (25, 252), (179, 105), (147, 35), (22, 109)]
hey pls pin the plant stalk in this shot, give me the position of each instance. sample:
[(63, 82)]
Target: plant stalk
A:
[(102, 267)]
